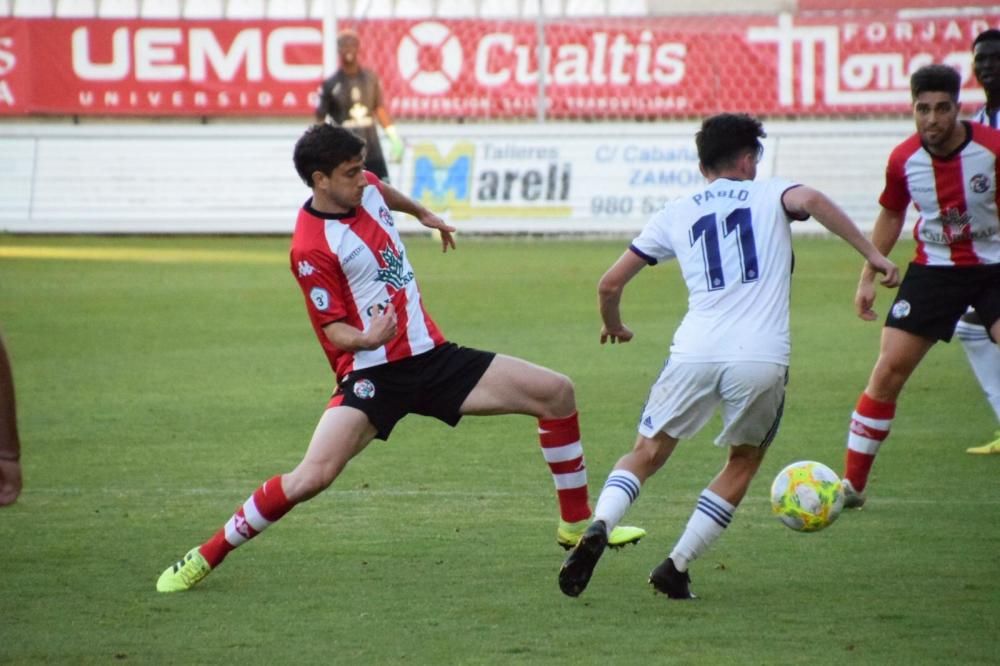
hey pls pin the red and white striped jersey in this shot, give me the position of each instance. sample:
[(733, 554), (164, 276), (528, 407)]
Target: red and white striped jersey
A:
[(352, 266), (956, 196)]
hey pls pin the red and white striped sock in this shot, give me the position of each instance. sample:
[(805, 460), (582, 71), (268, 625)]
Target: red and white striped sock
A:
[(267, 504), (870, 425), (563, 452)]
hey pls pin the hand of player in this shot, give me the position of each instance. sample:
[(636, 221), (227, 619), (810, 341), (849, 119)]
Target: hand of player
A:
[(887, 269), (864, 299), (382, 328), (10, 481), (620, 334), (446, 231)]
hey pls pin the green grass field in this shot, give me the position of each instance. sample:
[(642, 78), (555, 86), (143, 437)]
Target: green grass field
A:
[(160, 380)]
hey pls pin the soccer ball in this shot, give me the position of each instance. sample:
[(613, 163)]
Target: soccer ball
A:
[(807, 496)]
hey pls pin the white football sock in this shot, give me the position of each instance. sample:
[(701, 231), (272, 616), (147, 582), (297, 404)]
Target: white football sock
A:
[(619, 492), (984, 357), (711, 516)]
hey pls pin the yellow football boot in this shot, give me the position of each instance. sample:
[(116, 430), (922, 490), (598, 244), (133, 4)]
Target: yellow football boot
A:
[(184, 574)]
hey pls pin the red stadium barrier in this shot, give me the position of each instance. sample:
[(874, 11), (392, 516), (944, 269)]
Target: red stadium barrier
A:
[(598, 69)]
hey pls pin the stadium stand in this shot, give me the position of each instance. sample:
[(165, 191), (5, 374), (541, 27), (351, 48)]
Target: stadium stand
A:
[(374, 8), (415, 9), (118, 9), (318, 7), (455, 9), (245, 9), (165, 9), (203, 9), (861, 5), (76, 8), (627, 8), (287, 9), (33, 8), (548, 8), (497, 9), (582, 8)]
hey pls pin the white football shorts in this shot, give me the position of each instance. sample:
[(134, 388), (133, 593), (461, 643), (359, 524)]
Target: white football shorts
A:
[(685, 396)]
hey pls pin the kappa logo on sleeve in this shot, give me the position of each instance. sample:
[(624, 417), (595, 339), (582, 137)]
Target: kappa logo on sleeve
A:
[(305, 269)]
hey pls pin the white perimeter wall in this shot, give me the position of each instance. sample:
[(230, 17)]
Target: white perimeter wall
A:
[(239, 178)]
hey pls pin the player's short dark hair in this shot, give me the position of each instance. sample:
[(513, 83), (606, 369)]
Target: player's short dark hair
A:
[(991, 35), (724, 137), (936, 78), (323, 148)]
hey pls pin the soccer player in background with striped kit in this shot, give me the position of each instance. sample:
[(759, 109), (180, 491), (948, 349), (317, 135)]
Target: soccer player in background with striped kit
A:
[(984, 356), (949, 170), (389, 357)]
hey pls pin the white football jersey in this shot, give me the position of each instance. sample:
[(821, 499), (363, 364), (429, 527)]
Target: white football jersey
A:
[(984, 117), (734, 247)]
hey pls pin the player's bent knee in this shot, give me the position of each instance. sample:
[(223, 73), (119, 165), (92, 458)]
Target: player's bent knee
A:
[(554, 396), (651, 453), (308, 480), (564, 393)]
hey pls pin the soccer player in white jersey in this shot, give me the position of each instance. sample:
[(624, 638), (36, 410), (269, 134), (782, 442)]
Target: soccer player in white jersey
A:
[(733, 243), (388, 355), (984, 356), (949, 170)]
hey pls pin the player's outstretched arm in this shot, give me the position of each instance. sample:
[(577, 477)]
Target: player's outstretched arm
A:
[(400, 202), (888, 226), (812, 202), (609, 296)]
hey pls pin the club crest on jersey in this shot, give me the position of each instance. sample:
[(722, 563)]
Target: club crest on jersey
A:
[(901, 310), (955, 225), (980, 183), (385, 216), (364, 389), (394, 272)]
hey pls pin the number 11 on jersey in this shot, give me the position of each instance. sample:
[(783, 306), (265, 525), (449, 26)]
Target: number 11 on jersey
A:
[(706, 230)]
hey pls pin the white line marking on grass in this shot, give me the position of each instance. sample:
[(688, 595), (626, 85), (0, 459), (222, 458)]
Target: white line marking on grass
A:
[(143, 255)]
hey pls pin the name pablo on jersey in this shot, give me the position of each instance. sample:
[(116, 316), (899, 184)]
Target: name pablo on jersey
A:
[(734, 193)]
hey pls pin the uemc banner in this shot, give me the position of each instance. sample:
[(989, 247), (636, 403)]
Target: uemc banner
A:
[(608, 68)]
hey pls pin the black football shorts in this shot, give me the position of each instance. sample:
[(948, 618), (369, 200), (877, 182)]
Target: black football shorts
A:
[(434, 383), (931, 299)]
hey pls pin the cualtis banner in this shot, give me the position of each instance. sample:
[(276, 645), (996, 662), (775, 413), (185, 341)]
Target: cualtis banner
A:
[(620, 68)]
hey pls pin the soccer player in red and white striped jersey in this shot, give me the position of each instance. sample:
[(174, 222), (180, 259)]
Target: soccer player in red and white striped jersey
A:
[(389, 357), (949, 169)]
